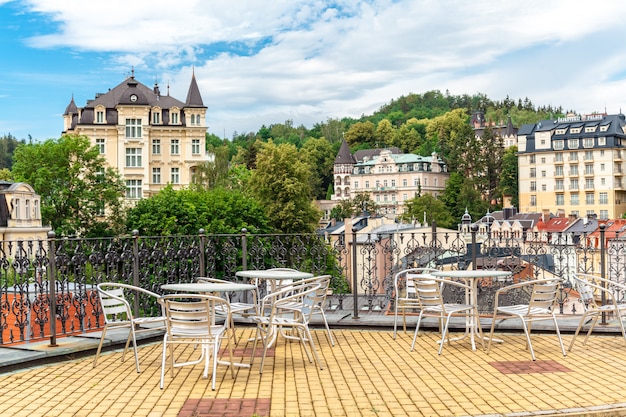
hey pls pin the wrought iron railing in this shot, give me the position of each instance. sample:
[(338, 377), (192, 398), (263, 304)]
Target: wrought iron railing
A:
[(47, 287)]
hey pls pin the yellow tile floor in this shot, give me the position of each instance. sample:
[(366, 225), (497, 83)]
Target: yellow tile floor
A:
[(366, 373)]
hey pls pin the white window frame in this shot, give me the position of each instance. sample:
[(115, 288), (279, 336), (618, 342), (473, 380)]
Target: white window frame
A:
[(133, 158), (156, 175), (175, 175), (100, 144), (195, 146), (156, 146), (133, 128), (134, 189), (175, 147)]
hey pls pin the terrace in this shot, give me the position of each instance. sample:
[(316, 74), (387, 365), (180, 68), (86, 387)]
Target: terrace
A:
[(383, 377)]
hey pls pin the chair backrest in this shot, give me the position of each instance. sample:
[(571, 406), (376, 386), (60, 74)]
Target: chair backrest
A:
[(544, 294), (592, 288), (115, 307), (305, 296), (189, 315), (403, 281), (428, 291)]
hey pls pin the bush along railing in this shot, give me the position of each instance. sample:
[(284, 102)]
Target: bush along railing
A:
[(48, 287)]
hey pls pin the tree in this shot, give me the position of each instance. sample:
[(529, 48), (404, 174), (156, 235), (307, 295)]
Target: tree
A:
[(509, 184), (75, 186), (361, 133), (185, 212), (212, 173), (320, 156), (282, 186), (384, 133), (343, 210), (429, 207)]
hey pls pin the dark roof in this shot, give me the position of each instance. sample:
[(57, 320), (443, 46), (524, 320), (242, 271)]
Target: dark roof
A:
[(194, 99), (121, 93), (372, 153), (71, 108), (344, 156)]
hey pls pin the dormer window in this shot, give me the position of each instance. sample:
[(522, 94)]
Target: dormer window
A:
[(99, 116), (156, 116), (174, 117)]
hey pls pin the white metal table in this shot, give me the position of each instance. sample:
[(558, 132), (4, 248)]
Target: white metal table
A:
[(471, 278), (273, 276)]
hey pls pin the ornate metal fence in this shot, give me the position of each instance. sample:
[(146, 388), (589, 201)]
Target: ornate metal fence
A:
[(47, 288)]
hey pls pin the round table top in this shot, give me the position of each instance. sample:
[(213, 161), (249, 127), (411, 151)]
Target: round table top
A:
[(470, 273), (208, 287), (273, 274)]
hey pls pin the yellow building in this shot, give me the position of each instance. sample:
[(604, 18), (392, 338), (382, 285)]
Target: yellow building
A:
[(20, 213), (388, 176), (152, 139), (574, 165)]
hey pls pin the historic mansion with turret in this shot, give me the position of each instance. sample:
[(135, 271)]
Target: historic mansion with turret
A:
[(151, 138)]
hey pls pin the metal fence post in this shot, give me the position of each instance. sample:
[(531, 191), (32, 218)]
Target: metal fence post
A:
[(474, 230), (136, 270), (355, 314), (244, 249), (201, 249), (602, 228), (52, 271)]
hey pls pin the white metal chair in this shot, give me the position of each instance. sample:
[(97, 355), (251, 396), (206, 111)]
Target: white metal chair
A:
[(592, 289), (196, 319), (431, 303), (318, 308), (541, 306), (242, 309), (273, 320), (405, 297), (117, 313)]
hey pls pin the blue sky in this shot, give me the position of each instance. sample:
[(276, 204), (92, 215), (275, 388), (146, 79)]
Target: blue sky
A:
[(260, 62)]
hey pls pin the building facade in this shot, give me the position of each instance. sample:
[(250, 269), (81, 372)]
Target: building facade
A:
[(388, 176), (151, 139), (574, 166)]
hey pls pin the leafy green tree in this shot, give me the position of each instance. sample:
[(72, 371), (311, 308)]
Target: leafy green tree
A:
[(213, 173), (185, 212), (429, 207), (384, 133), (320, 156), (362, 202), (361, 133), (281, 184), (509, 183), (6, 175), (8, 144), (75, 186), (491, 164), (343, 210)]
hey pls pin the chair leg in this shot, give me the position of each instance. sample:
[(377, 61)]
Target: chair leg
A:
[(132, 330), (95, 359), (558, 334), (395, 321), (444, 333), (163, 359), (529, 344), (580, 326), (315, 355), (417, 328), (328, 332), (493, 327)]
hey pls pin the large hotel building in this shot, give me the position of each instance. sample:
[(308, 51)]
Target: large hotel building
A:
[(574, 166)]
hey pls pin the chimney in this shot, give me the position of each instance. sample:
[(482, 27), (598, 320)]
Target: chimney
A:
[(545, 215)]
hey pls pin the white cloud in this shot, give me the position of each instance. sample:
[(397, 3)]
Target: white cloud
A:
[(318, 59)]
